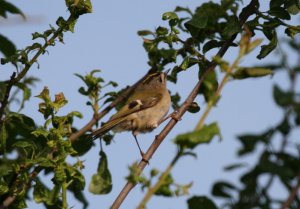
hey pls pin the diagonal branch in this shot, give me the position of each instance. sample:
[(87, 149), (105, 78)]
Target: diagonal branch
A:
[(246, 12), (292, 196)]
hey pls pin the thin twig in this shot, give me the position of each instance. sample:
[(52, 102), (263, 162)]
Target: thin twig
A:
[(11, 198), (4, 102), (246, 12), (292, 195)]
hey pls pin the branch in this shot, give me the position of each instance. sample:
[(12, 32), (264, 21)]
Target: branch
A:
[(10, 199), (292, 195), (4, 102), (161, 180), (246, 12)]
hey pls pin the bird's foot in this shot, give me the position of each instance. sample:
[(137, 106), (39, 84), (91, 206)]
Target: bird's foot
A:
[(174, 116), (144, 157)]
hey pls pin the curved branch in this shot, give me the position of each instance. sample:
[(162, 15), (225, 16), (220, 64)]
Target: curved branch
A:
[(246, 12)]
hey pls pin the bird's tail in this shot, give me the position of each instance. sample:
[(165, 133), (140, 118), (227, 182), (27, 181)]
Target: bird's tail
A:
[(106, 127)]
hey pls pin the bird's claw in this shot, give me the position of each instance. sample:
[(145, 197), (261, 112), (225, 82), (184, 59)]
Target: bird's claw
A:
[(144, 157), (174, 116)]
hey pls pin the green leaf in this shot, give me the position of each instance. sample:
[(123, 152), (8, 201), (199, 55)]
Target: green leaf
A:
[(280, 13), (211, 44), (169, 16), (79, 8), (135, 176), (101, 182), (175, 98), (250, 141), (40, 192), (8, 7), (222, 189), (204, 135), (283, 99), (59, 101), (82, 145), (284, 127), (292, 6), (7, 47), (267, 49), (194, 107), (201, 202), (275, 3), (41, 132), (154, 172), (209, 85), (44, 95), (254, 72), (197, 23), (291, 31), (188, 62), (232, 27), (4, 187), (183, 9), (26, 93), (234, 166), (145, 32), (165, 188), (162, 31)]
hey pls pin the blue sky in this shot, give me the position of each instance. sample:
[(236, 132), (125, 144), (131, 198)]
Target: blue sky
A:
[(107, 39)]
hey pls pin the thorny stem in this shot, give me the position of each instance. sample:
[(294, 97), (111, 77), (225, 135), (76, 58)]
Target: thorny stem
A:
[(246, 12)]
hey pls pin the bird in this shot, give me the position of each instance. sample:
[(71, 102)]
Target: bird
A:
[(145, 109)]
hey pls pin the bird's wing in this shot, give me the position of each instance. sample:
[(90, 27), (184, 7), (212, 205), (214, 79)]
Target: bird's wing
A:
[(136, 104), (106, 127), (133, 105)]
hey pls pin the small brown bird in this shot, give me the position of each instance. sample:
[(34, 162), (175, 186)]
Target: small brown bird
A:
[(144, 110)]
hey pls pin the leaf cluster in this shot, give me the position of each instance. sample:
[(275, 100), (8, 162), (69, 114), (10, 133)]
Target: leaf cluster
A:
[(274, 161)]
